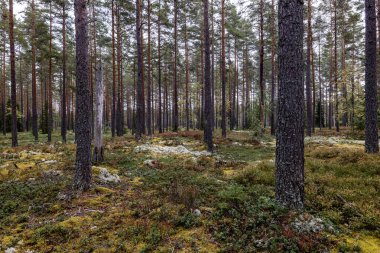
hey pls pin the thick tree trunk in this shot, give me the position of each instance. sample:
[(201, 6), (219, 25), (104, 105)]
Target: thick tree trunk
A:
[(290, 133), (82, 179), (371, 131), (13, 76), (207, 86), (99, 103)]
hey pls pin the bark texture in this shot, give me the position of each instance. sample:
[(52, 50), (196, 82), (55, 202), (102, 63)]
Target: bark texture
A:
[(13, 76), (290, 132), (207, 79), (82, 179), (99, 103), (371, 132)]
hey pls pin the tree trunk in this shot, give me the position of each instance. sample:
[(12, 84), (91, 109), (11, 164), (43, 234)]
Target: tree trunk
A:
[(308, 74), (13, 76), (187, 79), (148, 88), (113, 111), (290, 133), (63, 98), (261, 70), (207, 86), (223, 74), (336, 67), (34, 81), (50, 95), (140, 110), (159, 118), (371, 131), (99, 103), (175, 88), (82, 179), (273, 72)]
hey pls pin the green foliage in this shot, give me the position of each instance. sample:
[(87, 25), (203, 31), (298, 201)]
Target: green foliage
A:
[(8, 118)]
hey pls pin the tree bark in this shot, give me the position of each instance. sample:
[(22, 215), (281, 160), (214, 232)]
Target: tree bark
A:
[(149, 83), (308, 74), (207, 85), (99, 103), (64, 72), (140, 110), (175, 87), (223, 74), (290, 133), (50, 91), (13, 76), (34, 81), (371, 131), (82, 179), (273, 72)]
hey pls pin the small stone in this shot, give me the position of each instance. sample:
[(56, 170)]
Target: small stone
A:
[(197, 213), (10, 250)]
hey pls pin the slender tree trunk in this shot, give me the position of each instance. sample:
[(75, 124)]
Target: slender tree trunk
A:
[(140, 110), (159, 118), (64, 72), (290, 132), (99, 103), (50, 95), (261, 71), (223, 74), (187, 78), (207, 86), (371, 131), (34, 81), (273, 72), (113, 111), (308, 74), (336, 66), (82, 179), (175, 88), (13, 76), (149, 100), (3, 80)]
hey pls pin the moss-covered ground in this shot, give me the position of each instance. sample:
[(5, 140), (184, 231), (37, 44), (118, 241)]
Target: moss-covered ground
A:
[(186, 203)]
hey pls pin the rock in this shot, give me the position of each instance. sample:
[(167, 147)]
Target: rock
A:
[(197, 213), (176, 150), (10, 250), (50, 162), (152, 163), (107, 177), (307, 224), (53, 173)]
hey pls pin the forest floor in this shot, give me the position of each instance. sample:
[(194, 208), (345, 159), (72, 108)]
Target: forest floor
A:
[(167, 194)]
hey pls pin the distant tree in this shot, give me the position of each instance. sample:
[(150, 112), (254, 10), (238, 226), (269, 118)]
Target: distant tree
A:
[(290, 132)]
